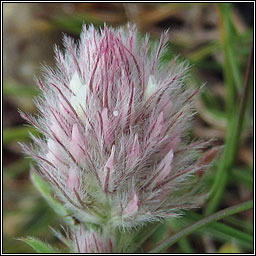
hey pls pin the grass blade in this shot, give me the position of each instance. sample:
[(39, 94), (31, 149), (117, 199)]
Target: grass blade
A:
[(234, 131), (202, 223)]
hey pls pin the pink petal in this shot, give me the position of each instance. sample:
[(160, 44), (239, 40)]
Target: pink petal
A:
[(73, 180), (165, 167), (165, 105), (106, 126), (55, 127), (173, 143), (157, 126), (76, 136), (132, 207), (55, 154), (75, 146), (134, 151), (109, 169), (110, 161)]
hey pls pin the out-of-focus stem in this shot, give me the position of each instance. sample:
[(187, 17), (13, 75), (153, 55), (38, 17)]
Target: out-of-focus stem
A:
[(203, 222), (233, 136)]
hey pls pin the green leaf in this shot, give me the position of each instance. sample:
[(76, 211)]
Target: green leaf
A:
[(228, 35), (19, 90), (16, 168), (221, 231), (243, 176), (202, 223), (203, 52), (234, 130), (160, 233), (74, 22), (21, 134), (184, 243), (46, 192), (141, 236), (38, 245)]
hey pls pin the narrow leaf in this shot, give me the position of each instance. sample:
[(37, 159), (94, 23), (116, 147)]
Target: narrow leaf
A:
[(18, 134), (38, 245), (202, 223), (46, 192)]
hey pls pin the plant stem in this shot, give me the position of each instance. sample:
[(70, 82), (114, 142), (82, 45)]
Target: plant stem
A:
[(203, 222), (234, 131), (144, 234), (246, 89)]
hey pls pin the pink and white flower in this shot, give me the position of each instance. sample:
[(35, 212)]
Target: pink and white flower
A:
[(114, 118)]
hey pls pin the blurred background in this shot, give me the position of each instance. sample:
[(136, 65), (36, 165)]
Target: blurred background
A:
[(215, 39)]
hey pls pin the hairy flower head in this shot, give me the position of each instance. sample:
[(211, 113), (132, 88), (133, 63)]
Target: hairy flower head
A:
[(114, 119)]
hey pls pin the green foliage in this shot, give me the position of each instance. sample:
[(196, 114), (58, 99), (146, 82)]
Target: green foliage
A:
[(20, 134), (38, 245), (201, 223), (46, 192), (74, 23), (21, 91)]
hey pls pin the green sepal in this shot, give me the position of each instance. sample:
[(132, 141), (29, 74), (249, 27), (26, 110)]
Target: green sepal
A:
[(46, 192), (38, 245)]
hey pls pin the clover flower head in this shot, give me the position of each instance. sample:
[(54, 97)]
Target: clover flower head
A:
[(114, 119)]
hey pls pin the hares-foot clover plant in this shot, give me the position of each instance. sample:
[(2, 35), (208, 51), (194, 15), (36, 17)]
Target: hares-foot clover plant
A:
[(114, 121)]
